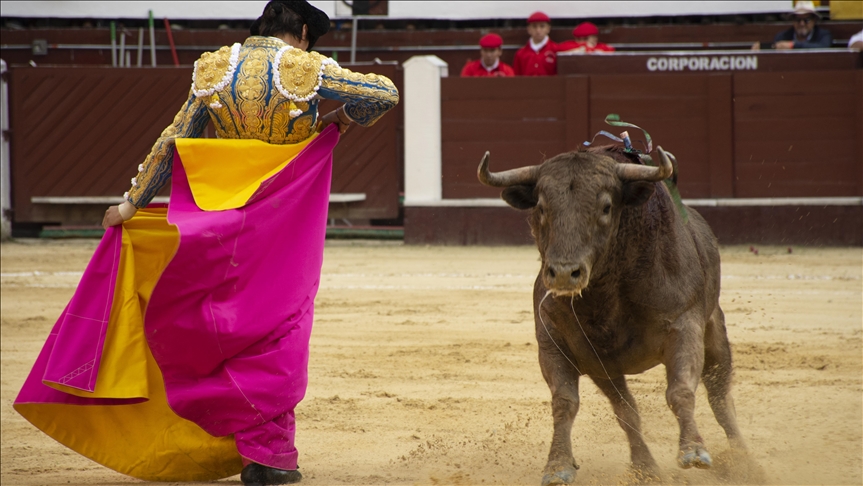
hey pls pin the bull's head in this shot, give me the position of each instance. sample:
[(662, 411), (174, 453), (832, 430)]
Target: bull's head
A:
[(576, 200)]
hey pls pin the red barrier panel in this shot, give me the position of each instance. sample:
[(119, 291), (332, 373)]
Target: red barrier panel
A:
[(82, 131)]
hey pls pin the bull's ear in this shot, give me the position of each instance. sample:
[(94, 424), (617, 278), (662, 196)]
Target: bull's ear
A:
[(636, 193), (520, 196)]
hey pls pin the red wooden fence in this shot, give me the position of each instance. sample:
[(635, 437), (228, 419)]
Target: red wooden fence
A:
[(82, 131), (791, 134)]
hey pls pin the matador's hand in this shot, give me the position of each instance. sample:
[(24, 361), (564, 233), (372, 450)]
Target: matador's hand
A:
[(112, 217), (337, 116), (117, 214)]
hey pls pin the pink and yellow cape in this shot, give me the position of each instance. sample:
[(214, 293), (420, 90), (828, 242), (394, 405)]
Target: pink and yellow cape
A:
[(191, 321)]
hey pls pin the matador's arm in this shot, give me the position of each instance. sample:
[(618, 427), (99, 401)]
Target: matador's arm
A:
[(366, 96), (155, 172)]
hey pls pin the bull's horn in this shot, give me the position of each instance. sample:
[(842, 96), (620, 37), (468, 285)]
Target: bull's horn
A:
[(523, 175), (635, 172)]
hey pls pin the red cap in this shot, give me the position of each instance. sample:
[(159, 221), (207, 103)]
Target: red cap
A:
[(585, 29), (491, 41), (538, 17)]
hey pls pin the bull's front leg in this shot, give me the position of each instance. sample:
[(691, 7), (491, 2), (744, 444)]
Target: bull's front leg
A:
[(562, 380), (684, 361), (627, 415)]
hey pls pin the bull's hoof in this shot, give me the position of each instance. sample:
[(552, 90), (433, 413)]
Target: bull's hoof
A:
[(696, 456), (560, 475)]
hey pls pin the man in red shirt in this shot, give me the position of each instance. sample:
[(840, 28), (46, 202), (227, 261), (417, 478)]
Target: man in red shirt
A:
[(539, 56), (489, 62), (586, 40)]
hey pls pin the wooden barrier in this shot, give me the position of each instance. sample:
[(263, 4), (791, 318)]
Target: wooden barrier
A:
[(791, 134), (788, 224), (83, 46), (770, 157), (737, 134), (688, 62), (81, 131)]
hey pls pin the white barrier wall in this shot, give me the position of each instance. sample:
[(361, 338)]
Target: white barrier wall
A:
[(5, 181), (421, 100)]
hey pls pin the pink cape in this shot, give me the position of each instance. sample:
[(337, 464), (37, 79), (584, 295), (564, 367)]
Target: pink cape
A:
[(230, 317)]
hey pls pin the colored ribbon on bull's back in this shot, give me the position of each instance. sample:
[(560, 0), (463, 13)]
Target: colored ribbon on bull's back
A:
[(614, 120), (191, 322)]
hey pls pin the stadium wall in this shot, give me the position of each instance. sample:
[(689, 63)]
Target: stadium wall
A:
[(766, 157), (77, 134)]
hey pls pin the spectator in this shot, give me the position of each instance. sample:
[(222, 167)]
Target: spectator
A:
[(805, 33), (856, 41), (539, 56), (586, 40), (489, 62)]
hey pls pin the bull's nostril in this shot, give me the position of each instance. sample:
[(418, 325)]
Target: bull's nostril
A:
[(551, 272), (576, 274)]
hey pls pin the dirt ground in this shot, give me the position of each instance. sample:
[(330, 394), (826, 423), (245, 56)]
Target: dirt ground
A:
[(424, 370)]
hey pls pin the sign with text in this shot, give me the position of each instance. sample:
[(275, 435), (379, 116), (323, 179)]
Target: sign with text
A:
[(702, 63), (709, 61)]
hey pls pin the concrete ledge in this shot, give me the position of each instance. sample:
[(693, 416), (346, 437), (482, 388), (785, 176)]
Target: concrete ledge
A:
[(466, 226), (89, 210), (333, 233), (760, 201), (793, 224), (346, 197)]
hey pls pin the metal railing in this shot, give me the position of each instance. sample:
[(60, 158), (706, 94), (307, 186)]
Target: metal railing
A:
[(623, 46)]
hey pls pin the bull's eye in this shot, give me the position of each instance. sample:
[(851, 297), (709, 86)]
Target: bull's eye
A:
[(606, 209)]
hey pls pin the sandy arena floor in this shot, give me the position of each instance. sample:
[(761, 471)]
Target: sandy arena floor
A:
[(424, 370)]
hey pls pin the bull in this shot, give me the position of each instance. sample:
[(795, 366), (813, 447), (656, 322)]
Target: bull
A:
[(626, 283)]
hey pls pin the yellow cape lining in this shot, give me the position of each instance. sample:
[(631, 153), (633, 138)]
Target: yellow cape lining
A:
[(148, 440), (247, 164)]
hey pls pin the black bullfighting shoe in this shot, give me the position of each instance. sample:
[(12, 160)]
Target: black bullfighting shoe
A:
[(257, 475)]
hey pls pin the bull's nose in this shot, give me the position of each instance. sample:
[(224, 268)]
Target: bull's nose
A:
[(566, 276)]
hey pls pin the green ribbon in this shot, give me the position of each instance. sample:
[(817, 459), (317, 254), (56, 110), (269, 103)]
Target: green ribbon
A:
[(671, 185), (613, 119)]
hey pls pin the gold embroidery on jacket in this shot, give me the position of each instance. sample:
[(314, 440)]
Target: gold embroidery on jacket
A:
[(282, 131), (250, 107), (257, 110), (302, 129), (366, 85), (300, 71), (367, 96), (189, 121), (211, 68), (252, 91)]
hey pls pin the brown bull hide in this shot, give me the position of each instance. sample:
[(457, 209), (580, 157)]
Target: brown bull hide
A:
[(625, 284)]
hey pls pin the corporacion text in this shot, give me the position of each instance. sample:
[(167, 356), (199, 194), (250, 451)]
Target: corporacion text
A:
[(702, 63)]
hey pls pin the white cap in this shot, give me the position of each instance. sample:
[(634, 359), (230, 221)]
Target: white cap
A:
[(805, 7)]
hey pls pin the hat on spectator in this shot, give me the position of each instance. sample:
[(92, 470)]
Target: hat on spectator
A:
[(538, 17), (491, 41), (805, 7), (585, 29)]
